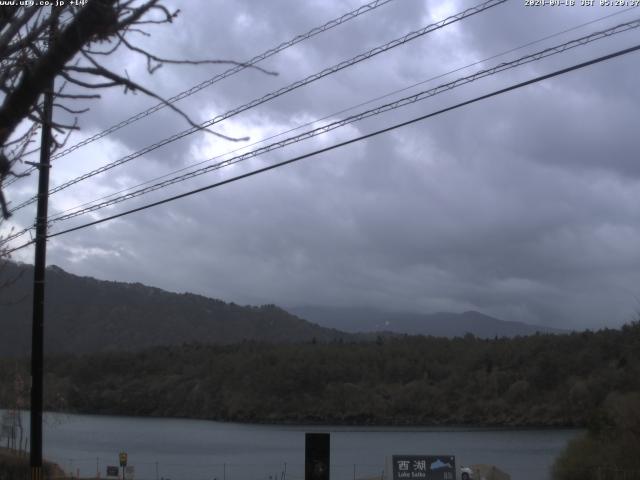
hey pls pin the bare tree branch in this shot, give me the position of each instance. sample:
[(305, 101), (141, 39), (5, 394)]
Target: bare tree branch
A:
[(14, 29), (77, 96), (151, 57), (39, 45), (71, 110), (96, 19), (133, 86)]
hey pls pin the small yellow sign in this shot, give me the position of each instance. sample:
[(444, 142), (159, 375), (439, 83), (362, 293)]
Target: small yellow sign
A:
[(123, 459)]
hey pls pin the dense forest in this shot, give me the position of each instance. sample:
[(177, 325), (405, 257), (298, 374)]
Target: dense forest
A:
[(609, 449), (540, 380), (588, 379)]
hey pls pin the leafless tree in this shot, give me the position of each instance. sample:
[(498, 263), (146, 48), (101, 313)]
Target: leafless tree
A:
[(71, 44), (6, 278), (11, 426)]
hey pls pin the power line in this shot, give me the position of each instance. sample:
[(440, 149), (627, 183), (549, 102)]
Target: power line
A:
[(277, 93), (401, 102), (377, 98), (238, 68), (353, 140), (381, 97), (360, 116), (13, 236), (347, 142), (227, 73)]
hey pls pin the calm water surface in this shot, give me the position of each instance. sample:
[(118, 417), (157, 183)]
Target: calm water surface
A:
[(180, 449)]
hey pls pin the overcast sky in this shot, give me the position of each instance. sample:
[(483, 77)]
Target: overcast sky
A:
[(524, 206)]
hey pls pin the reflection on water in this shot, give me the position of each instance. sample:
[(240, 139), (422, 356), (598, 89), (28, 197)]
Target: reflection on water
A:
[(180, 449)]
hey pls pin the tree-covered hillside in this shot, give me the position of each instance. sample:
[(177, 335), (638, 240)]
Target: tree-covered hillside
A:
[(609, 449), (86, 315), (546, 380)]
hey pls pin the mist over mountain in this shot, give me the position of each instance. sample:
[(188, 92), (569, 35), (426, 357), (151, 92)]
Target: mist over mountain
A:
[(441, 324)]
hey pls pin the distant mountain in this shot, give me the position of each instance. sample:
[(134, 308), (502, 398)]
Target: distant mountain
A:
[(437, 324), (88, 315)]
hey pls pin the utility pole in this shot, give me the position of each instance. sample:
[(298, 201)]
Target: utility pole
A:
[(37, 333)]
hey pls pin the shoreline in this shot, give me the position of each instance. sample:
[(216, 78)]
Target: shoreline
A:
[(331, 423)]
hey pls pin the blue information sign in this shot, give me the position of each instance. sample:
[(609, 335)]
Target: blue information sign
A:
[(424, 467)]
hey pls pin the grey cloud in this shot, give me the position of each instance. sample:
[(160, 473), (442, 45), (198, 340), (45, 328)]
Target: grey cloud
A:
[(522, 206)]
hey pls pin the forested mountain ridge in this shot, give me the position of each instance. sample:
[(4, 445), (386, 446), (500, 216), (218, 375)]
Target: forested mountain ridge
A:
[(88, 315), (540, 380)]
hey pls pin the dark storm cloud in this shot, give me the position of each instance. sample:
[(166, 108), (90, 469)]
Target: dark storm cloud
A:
[(522, 206)]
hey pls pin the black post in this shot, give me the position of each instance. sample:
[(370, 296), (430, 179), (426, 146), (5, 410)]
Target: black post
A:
[(317, 463), (37, 333)]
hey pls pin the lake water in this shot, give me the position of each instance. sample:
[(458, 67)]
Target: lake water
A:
[(179, 449)]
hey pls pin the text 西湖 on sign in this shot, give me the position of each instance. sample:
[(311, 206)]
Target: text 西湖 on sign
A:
[(424, 467)]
